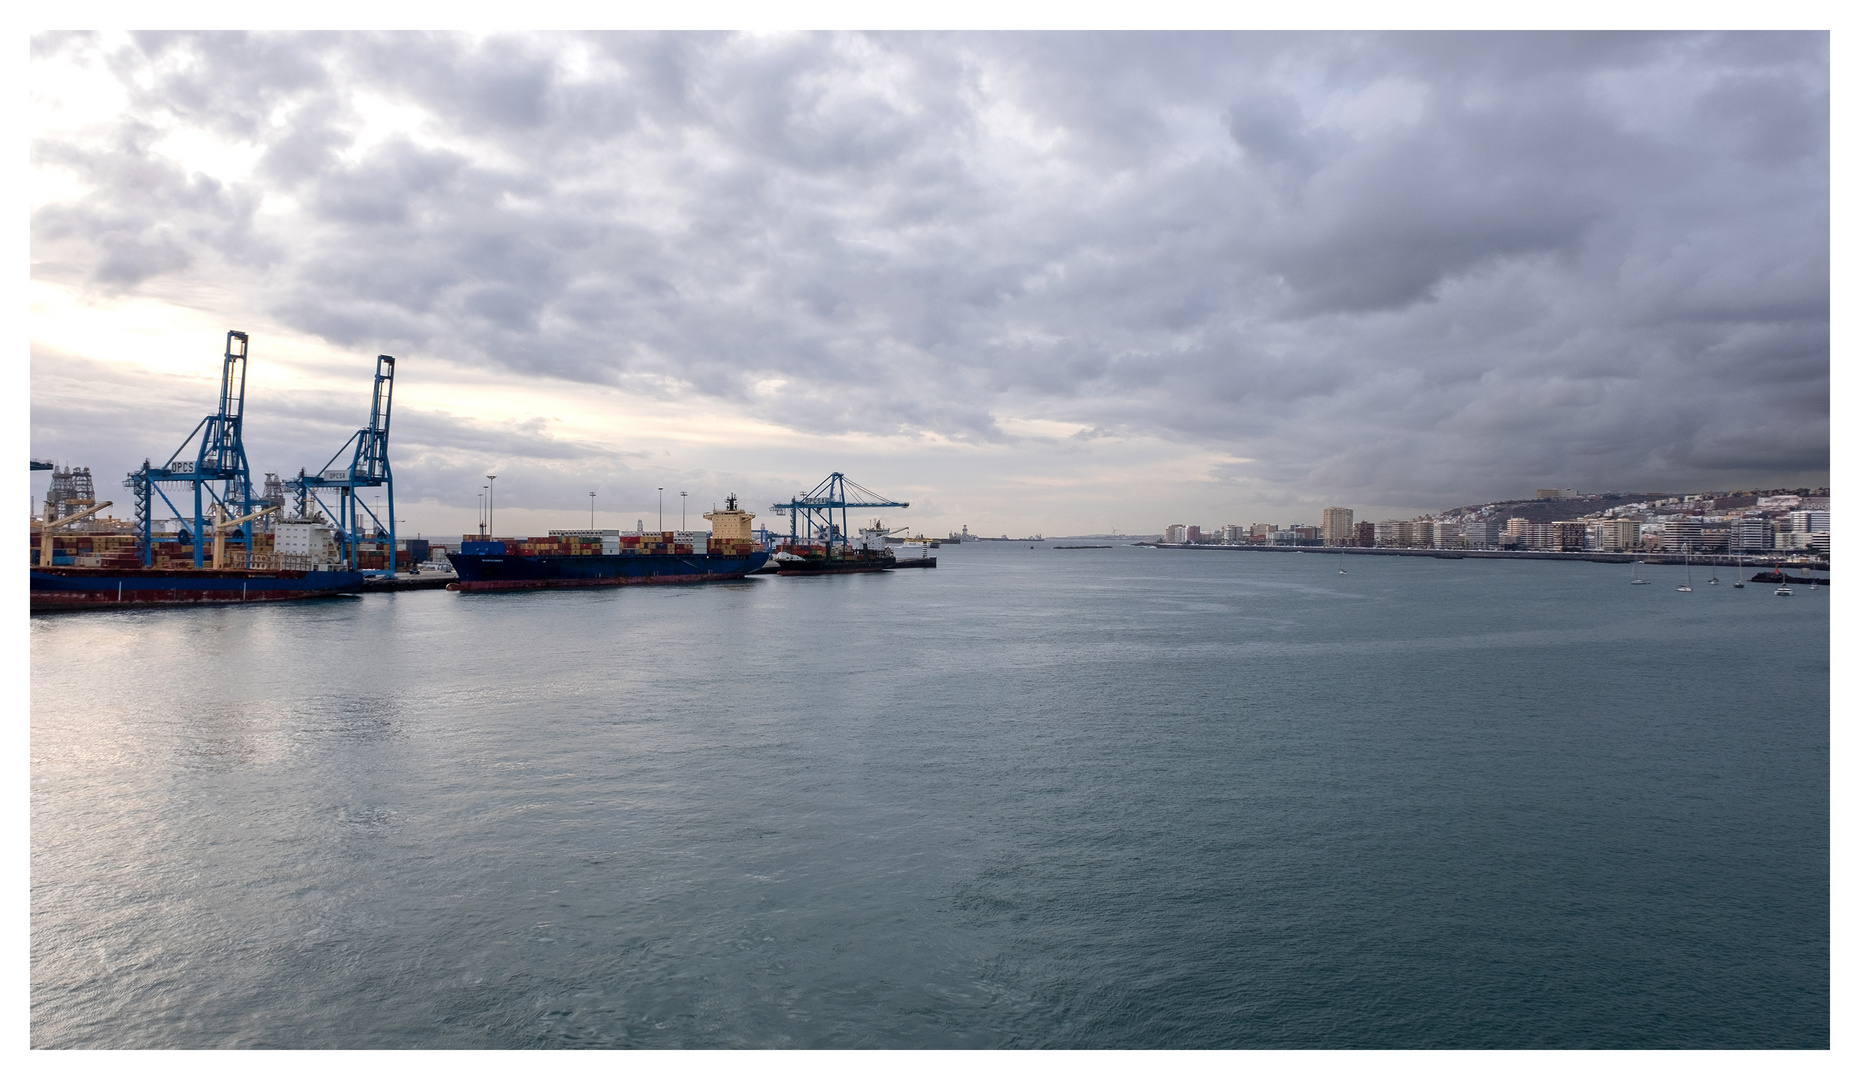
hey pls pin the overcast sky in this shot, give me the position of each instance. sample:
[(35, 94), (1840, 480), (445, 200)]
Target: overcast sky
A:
[(1030, 282)]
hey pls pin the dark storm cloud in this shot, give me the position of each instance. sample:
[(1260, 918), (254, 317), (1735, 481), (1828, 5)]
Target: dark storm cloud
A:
[(1410, 269)]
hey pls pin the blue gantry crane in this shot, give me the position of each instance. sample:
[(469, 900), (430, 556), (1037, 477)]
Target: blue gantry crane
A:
[(366, 454), (815, 508), (219, 458)]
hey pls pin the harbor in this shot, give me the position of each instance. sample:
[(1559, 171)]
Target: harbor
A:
[(317, 535)]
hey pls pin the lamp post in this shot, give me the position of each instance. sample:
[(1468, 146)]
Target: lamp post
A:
[(480, 511), (681, 510), (661, 510), (491, 501), (590, 511)]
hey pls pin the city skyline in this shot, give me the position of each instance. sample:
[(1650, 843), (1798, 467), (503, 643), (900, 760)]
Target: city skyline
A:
[(1028, 282), (1794, 521)]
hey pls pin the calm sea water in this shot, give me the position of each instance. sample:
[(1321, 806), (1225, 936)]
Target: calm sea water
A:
[(1033, 798)]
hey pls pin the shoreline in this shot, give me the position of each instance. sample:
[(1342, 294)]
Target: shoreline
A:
[(1651, 558)]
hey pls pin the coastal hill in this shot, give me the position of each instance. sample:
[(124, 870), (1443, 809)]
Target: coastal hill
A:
[(1548, 510)]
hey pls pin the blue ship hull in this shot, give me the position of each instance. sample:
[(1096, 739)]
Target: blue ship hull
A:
[(67, 588), (487, 572)]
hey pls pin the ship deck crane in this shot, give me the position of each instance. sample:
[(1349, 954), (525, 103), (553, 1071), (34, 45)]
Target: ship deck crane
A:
[(221, 524), (816, 507), (367, 466), (218, 459), (45, 531)]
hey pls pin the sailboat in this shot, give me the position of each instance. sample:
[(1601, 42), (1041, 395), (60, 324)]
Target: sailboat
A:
[(1687, 587), (1638, 580), (1739, 583), (1783, 589), (1340, 568)]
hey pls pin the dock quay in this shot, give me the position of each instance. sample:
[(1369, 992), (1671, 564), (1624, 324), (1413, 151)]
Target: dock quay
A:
[(1651, 558)]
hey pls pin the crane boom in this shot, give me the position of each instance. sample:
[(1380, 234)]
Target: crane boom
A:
[(45, 531), (219, 533), (817, 506)]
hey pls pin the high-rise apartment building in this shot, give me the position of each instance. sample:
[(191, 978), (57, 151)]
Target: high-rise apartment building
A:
[(1175, 534), (1421, 532), (1680, 534), (1339, 525), (1478, 534), (1192, 535), (1752, 534), (1618, 534), (1569, 535), (1532, 535), (1365, 534), (1808, 521)]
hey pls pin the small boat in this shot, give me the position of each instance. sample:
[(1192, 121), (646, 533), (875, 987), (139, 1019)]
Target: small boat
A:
[(1739, 583), (1638, 580), (1784, 590), (1687, 587), (1340, 568)]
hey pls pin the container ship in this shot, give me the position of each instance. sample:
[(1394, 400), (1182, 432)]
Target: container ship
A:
[(590, 558), (81, 562)]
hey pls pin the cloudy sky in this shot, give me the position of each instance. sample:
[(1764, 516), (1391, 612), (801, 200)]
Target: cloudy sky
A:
[(1029, 282)]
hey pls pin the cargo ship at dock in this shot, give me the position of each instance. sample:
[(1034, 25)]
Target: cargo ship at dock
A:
[(83, 562), (870, 553), (607, 558)]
